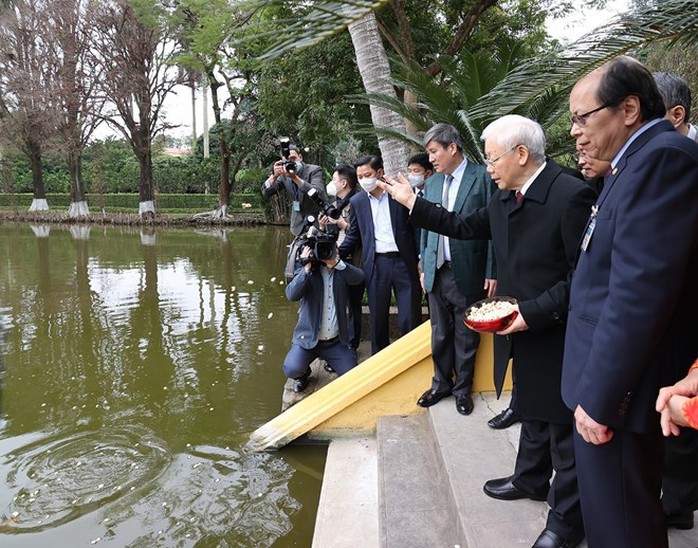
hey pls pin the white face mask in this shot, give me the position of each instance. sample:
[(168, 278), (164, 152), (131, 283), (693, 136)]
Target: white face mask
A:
[(331, 189), (368, 183), (415, 180)]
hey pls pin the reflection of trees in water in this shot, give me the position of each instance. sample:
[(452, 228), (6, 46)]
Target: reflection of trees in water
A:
[(168, 331)]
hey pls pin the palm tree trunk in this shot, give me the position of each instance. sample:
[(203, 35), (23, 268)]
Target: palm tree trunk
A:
[(375, 73)]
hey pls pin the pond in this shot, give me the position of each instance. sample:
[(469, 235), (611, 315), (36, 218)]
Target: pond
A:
[(135, 363)]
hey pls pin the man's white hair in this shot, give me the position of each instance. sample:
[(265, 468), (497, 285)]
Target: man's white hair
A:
[(512, 130)]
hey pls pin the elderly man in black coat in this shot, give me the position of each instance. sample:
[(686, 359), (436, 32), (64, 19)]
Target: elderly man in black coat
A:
[(535, 221)]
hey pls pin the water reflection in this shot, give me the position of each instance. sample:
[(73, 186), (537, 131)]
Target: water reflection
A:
[(137, 364)]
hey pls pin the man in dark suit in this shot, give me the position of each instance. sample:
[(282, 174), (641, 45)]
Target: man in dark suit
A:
[(535, 221), (455, 273), (632, 321), (389, 253), (296, 182), (680, 478), (323, 329)]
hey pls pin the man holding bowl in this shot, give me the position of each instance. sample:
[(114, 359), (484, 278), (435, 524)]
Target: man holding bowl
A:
[(535, 221)]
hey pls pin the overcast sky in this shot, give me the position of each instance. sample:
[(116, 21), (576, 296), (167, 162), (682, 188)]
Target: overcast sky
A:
[(569, 29)]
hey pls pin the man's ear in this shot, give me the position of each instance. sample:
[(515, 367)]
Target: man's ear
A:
[(632, 110), (676, 115)]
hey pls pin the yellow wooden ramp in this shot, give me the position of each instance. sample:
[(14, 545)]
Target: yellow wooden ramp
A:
[(388, 383)]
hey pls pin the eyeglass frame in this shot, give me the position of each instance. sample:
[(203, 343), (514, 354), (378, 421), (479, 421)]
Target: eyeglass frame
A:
[(581, 119), (491, 163)]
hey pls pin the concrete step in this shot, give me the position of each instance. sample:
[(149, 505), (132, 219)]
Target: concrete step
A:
[(347, 514), (416, 508), (472, 453)]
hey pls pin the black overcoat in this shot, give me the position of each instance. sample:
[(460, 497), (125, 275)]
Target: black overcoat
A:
[(535, 245)]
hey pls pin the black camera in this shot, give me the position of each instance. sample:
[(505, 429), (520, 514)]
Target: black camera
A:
[(289, 165), (323, 246), (327, 208)]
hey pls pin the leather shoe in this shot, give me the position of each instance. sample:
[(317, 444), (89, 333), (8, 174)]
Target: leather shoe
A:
[(301, 383), (504, 489), (550, 539), (504, 420), (464, 404), (680, 520), (327, 367), (430, 397)]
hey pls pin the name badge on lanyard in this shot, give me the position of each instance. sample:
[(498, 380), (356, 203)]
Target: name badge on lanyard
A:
[(591, 225)]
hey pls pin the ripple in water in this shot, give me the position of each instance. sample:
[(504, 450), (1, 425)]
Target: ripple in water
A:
[(210, 497), (58, 479)]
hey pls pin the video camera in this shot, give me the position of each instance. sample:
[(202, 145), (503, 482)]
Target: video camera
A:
[(327, 208), (289, 165), (323, 246)]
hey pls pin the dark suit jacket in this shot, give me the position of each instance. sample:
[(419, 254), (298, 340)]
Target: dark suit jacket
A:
[(309, 288), (473, 260), (632, 325), (535, 245), (361, 231), (311, 176)]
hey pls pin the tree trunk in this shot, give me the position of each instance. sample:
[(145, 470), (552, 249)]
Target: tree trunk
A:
[(224, 183), (39, 202), (146, 208), (78, 203), (375, 73)]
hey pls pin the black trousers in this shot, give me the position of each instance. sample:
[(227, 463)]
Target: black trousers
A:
[(453, 345), (619, 485), (680, 478), (544, 447), (391, 273)]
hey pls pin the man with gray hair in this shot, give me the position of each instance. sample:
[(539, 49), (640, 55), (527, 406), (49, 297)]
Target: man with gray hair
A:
[(535, 221), (677, 100), (454, 273)]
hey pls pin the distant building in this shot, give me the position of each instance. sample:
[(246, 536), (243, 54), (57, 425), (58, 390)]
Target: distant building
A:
[(177, 152)]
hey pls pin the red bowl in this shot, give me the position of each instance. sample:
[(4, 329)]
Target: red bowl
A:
[(490, 326)]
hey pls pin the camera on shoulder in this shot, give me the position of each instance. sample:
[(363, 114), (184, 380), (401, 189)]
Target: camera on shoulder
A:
[(327, 208)]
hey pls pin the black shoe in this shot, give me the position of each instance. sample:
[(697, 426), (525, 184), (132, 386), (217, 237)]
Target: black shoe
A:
[(504, 420), (464, 404), (680, 520), (328, 368), (550, 539), (430, 397), (504, 489), (301, 383)]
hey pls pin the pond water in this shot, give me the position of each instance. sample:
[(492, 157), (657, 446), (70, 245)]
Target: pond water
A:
[(135, 363)]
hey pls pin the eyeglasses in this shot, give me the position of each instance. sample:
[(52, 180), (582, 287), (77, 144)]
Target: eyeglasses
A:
[(490, 163), (581, 119)]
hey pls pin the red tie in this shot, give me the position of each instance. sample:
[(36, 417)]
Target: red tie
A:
[(519, 197)]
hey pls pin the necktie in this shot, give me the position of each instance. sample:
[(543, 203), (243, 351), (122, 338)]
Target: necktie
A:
[(444, 202), (420, 194), (519, 197)]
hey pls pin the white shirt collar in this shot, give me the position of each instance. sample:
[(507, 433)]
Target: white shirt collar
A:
[(528, 183)]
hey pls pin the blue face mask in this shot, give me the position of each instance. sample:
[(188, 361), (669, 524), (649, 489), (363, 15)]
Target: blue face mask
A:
[(299, 166)]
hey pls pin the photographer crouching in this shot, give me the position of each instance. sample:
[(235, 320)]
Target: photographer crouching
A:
[(321, 282), (296, 178)]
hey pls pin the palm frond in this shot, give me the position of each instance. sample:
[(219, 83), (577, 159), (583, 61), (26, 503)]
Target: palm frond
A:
[(669, 20), (301, 29)]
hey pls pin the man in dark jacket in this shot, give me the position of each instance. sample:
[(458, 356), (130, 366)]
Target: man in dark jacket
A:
[(296, 181), (323, 329), (535, 221)]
